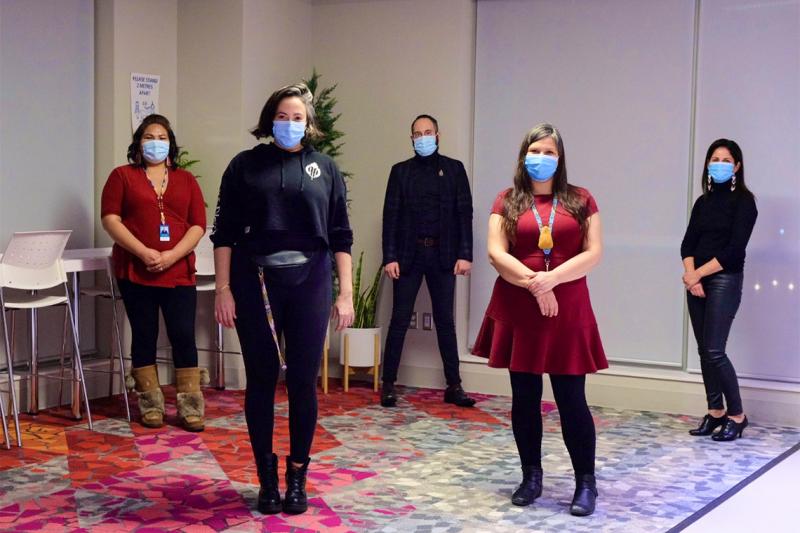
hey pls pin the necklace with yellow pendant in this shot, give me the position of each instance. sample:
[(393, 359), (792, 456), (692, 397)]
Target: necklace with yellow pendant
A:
[(546, 232)]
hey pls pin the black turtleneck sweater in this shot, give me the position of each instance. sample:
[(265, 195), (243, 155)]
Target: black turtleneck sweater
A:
[(272, 200), (719, 227)]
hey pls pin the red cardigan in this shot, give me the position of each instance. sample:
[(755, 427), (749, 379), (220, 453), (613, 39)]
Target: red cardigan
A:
[(129, 194)]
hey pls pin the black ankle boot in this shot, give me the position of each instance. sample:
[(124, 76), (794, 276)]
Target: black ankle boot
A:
[(730, 431), (295, 501), (269, 497), (388, 395), (530, 488), (456, 395), (583, 501), (708, 425)]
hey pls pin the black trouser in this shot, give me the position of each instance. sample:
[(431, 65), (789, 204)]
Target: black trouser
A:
[(441, 286), (177, 304), (301, 315), (712, 317), (577, 425)]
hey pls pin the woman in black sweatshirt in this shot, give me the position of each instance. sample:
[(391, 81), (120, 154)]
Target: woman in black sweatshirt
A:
[(281, 213), (713, 252)]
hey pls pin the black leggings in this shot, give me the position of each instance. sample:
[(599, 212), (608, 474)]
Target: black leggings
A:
[(301, 315), (712, 318), (177, 304), (577, 425)]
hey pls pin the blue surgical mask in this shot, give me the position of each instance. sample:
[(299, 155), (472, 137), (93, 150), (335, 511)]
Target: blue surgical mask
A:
[(155, 152), (425, 145), (541, 167), (288, 133), (720, 171)]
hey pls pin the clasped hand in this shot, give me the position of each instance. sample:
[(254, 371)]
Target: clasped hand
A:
[(156, 261), (691, 280), (541, 282), (540, 285)]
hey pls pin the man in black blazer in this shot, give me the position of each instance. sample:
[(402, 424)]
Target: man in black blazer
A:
[(427, 232)]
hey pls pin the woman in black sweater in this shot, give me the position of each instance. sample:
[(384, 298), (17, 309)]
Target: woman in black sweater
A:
[(713, 252), (281, 213)]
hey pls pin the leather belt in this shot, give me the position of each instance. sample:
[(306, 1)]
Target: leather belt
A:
[(428, 242)]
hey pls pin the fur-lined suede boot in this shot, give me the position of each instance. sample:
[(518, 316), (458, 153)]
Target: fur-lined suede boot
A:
[(148, 392), (191, 407)]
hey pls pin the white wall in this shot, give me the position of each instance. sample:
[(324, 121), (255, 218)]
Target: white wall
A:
[(276, 51), (132, 36), (46, 133), (393, 61), (210, 88), (46, 117), (749, 91), (618, 78), (625, 118)]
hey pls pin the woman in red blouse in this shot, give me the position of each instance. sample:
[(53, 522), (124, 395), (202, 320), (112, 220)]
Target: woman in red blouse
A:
[(544, 237), (156, 215)]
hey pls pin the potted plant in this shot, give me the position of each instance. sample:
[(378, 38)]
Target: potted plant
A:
[(360, 344)]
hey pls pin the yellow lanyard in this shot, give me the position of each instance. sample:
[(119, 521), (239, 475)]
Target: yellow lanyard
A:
[(270, 318)]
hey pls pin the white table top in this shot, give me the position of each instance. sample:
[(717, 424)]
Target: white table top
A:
[(86, 259)]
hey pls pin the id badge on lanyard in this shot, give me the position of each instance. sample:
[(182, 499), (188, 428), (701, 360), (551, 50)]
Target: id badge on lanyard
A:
[(163, 227), (546, 232)]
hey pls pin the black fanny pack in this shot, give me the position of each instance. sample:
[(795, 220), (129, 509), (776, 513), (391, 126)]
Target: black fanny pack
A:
[(287, 267)]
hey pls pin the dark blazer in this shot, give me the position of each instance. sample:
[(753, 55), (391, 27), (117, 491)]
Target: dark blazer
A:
[(399, 226)]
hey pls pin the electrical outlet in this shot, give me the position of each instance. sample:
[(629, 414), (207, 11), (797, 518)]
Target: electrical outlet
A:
[(427, 321), (413, 323)]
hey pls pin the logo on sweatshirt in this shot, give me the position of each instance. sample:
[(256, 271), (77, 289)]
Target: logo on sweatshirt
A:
[(313, 171)]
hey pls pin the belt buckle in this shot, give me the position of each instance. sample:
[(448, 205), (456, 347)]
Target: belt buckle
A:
[(427, 242)]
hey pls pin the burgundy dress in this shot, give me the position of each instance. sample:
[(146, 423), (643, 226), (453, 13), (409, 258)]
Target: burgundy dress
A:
[(514, 333)]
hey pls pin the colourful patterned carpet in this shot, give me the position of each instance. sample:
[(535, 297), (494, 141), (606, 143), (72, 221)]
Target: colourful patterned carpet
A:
[(424, 466)]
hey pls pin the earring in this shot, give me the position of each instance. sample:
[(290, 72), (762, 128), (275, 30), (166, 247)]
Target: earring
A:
[(733, 183), (709, 182)]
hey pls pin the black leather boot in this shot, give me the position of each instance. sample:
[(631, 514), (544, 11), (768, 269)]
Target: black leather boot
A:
[(295, 501), (269, 497), (708, 425), (530, 488), (583, 501), (388, 395), (455, 394), (732, 430)]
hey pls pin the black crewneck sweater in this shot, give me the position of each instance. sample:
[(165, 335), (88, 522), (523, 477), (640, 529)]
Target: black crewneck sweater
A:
[(719, 227)]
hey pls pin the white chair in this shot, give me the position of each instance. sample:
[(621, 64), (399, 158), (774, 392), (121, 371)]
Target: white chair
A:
[(32, 263), (204, 264)]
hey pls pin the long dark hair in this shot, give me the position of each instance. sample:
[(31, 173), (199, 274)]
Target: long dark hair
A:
[(301, 91), (520, 197), (736, 152), (135, 148)]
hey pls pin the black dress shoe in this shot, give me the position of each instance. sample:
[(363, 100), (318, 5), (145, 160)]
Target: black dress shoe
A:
[(583, 501), (269, 497), (530, 488), (456, 395), (388, 395), (295, 501), (708, 425), (732, 430)]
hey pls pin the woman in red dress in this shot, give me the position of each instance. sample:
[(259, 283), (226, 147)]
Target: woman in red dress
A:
[(544, 237)]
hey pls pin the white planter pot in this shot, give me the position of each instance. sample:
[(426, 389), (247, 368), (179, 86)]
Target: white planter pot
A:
[(361, 346)]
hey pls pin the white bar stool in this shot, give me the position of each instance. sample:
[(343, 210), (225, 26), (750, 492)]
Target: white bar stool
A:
[(32, 263), (111, 294)]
